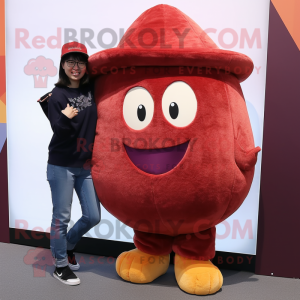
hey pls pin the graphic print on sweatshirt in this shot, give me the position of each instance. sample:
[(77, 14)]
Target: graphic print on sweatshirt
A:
[(82, 101)]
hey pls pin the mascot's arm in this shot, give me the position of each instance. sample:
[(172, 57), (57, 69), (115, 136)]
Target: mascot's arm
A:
[(245, 153), (245, 160)]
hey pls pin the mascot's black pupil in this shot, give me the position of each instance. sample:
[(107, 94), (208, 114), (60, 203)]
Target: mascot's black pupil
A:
[(173, 110), (141, 112)]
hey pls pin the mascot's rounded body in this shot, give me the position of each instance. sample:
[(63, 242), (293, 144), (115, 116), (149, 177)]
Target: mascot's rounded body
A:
[(173, 156)]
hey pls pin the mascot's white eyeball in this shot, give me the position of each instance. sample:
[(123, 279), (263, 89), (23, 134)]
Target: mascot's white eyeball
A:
[(179, 104), (138, 108)]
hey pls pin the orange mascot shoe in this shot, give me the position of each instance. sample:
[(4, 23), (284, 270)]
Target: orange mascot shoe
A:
[(139, 267), (196, 276)]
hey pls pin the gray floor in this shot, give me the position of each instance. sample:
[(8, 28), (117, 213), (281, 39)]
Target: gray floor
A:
[(100, 281)]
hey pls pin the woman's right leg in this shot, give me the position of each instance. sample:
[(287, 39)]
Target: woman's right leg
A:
[(90, 207), (61, 181)]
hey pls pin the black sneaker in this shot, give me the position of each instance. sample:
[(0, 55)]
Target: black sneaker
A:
[(73, 264), (66, 276)]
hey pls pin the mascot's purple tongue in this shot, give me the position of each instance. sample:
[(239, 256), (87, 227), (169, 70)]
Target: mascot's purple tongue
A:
[(157, 161)]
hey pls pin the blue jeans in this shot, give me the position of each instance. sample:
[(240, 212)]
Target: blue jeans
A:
[(62, 180)]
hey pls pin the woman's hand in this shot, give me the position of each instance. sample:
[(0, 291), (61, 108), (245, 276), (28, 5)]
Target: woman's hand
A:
[(70, 111)]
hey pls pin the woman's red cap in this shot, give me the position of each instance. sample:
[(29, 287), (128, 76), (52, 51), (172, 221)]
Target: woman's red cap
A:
[(73, 47)]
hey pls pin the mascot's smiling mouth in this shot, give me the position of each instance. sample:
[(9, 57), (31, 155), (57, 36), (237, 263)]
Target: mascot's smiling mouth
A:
[(157, 161)]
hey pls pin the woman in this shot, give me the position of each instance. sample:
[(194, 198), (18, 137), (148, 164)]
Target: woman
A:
[(72, 113)]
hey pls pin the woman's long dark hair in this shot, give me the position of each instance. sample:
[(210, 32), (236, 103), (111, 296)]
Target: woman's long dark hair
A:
[(63, 79)]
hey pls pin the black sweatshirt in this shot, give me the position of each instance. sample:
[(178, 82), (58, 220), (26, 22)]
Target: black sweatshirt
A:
[(72, 141)]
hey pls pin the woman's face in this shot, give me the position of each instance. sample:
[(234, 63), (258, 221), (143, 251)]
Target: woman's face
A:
[(74, 69)]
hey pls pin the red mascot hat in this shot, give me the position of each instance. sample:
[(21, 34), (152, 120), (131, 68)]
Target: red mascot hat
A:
[(165, 36)]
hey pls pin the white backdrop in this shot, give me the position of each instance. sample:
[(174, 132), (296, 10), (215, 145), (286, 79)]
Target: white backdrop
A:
[(39, 28)]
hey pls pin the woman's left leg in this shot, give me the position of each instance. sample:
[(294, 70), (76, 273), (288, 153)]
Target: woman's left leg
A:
[(90, 207)]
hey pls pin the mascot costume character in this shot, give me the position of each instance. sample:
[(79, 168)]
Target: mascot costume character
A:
[(174, 153)]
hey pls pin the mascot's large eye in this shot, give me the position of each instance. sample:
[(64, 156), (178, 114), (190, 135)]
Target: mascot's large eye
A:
[(179, 104), (138, 108)]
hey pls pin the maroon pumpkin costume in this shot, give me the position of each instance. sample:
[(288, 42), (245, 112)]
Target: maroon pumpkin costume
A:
[(176, 203)]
